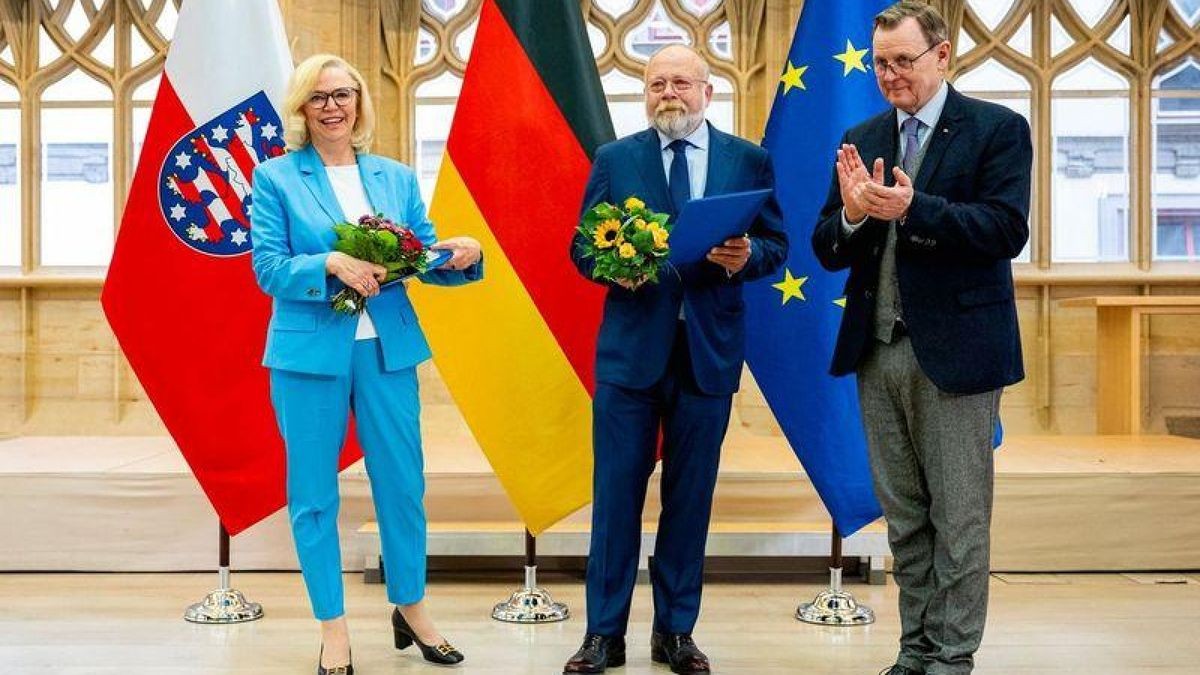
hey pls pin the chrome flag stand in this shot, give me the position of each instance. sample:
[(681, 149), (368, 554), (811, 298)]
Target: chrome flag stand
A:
[(835, 607), (530, 604), (224, 605)]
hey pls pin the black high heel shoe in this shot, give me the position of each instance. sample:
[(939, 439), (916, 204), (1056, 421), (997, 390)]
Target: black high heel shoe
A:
[(444, 654), (347, 669)]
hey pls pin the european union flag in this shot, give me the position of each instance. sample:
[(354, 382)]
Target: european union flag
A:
[(792, 321)]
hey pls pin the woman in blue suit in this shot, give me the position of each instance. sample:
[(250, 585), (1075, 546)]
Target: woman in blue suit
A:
[(325, 364)]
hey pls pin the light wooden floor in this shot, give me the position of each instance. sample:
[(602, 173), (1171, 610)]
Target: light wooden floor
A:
[(130, 623)]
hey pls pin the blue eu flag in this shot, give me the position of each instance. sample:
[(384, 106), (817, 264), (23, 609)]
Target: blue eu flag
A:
[(792, 320)]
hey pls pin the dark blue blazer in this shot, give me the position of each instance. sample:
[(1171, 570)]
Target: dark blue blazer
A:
[(968, 219), (638, 327)]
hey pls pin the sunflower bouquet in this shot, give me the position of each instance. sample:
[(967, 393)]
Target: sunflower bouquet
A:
[(627, 242)]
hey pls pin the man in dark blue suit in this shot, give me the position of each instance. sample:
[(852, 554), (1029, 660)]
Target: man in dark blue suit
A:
[(930, 325), (669, 357)]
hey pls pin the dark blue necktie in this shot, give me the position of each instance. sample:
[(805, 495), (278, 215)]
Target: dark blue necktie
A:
[(679, 184)]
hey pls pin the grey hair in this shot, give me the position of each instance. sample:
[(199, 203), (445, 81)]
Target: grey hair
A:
[(932, 23)]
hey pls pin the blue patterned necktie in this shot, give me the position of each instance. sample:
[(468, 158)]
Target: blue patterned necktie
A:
[(910, 127), (679, 184)]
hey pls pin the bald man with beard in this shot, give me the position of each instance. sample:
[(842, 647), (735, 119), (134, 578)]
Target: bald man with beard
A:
[(668, 357)]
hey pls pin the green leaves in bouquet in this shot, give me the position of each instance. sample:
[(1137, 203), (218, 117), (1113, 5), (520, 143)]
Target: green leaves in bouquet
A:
[(374, 246), (375, 239), (626, 244)]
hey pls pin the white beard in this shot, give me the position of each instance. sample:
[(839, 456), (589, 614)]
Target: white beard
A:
[(676, 124)]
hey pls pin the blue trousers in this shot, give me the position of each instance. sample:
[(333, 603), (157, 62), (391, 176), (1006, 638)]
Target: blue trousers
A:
[(626, 427), (313, 413)]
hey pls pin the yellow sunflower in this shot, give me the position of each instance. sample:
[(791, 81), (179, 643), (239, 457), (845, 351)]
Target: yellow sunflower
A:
[(660, 235), (634, 203), (608, 234), (627, 250)]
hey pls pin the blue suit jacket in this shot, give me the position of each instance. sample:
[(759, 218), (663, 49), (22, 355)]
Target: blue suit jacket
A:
[(968, 219), (293, 216), (638, 327)]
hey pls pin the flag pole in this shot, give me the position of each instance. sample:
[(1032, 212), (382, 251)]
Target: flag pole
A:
[(835, 607), (530, 604), (225, 604)]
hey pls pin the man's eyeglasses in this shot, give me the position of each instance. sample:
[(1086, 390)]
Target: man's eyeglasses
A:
[(342, 97), (902, 65), (679, 84)]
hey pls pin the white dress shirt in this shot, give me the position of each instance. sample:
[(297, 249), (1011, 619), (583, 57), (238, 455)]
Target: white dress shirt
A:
[(697, 158)]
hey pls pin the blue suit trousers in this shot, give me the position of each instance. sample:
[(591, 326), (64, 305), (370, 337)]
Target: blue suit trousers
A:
[(313, 412), (626, 430)]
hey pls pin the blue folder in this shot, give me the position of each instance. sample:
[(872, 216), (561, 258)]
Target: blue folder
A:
[(706, 222), (435, 259)]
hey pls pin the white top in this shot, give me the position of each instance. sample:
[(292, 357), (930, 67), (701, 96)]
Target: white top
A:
[(352, 197)]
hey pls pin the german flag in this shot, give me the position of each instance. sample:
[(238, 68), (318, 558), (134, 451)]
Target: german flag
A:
[(517, 351)]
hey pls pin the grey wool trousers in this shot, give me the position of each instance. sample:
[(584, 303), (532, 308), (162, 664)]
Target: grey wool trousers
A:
[(931, 458)]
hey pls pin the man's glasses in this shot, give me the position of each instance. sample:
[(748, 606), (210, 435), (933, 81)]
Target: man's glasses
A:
[(679, 84), (342, 97), (901, 66)]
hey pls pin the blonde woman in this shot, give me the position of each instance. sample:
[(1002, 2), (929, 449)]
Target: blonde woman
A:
[(325, 365)]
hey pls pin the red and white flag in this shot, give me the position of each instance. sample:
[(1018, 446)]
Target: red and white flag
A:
[(180, 293)]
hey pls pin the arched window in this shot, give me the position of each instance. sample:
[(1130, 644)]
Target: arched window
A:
[(993, 81), (10, 176), (1090, 187), (77, 205), (1175, 110)]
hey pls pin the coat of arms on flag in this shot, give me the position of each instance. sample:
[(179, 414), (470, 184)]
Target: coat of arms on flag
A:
[(204, 183), (182, 244)]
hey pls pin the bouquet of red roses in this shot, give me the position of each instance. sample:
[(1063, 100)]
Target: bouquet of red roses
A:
[(378, 240)]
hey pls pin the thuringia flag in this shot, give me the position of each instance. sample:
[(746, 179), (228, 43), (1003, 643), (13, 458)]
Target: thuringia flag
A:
[(180, 295)]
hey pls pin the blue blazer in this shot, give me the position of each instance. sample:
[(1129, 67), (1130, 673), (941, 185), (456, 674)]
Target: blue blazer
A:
[(638, 327), (968, 219), (294, 211)]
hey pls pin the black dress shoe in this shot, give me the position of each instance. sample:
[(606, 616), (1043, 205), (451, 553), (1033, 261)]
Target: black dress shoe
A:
[(678, 651), (347, 669), (597, 653), (444, 654)]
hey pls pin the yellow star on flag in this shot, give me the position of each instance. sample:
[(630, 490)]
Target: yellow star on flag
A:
[(852, 59), (792, 78), (790, 286), (840, 302)]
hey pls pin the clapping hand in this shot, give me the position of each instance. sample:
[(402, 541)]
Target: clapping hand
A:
[(864, 194), (852, 175), (887, 203)]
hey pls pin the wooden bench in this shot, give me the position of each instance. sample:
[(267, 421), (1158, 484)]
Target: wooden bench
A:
[(1119, 353)]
